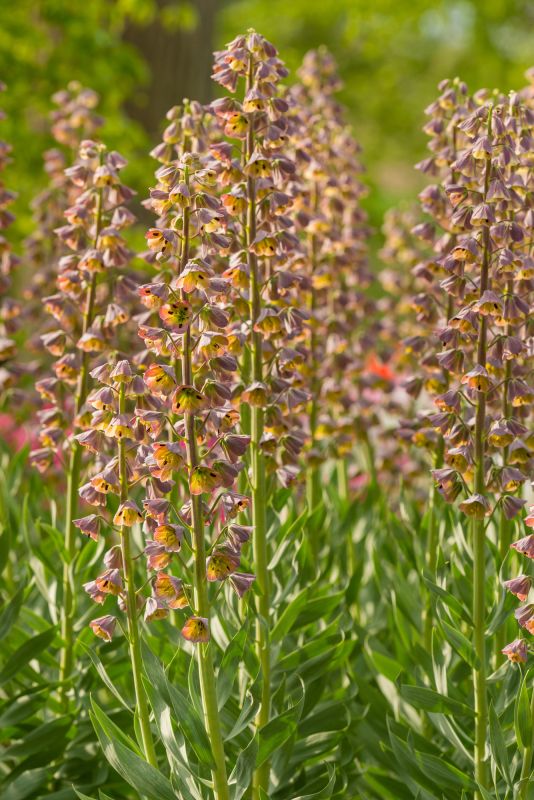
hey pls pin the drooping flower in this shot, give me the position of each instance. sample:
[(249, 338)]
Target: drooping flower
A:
[(516, 651), (104, 627), (196, 630)]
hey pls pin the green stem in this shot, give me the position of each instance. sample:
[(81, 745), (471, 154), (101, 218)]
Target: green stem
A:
[(73, 480), (134, 640), (205, 659), (505, 525), (208, 687), (259, 489), (432, 551), (526, 768), (313, 475), (342, 479), (479, 545)]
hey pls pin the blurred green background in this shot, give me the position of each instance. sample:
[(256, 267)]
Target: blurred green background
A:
[(144, 55)]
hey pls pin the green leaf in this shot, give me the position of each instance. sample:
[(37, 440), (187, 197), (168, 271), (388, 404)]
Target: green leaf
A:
[(289, 615), (112, 730), (278, 730), (461, 644), (522, 715), (83, 796), (190, 723), (228, 670), (30, 649), (329, 716), (25, 785), (49, 736), (485, 795), (24, 705), (441, 772), (141, 775), (173, 741), (326, 791), (242, 773), (280, 498), (250, 707), (100, 668), (56, 536), (429, 700), (10, 612), (285, 537), (319, 608), (449, 600), (447, 729), (384, 664), (498, 746)]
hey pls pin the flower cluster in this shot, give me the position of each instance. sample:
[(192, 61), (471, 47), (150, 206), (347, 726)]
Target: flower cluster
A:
[(266, 264), (424, 248), (10, 309), (188, 449), (73, 120), (89, 306), (328, 192), (479, 235)]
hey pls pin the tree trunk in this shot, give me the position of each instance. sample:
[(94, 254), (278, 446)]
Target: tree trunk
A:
[(179, 63)]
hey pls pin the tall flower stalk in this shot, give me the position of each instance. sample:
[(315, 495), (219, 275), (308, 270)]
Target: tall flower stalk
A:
[(479, 157), (257, 474), (122, 374), (88, 318), (257, 172), (75, 461), (193, 296), (329, 190)]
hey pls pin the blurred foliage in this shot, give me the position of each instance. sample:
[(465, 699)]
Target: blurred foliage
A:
[(391, 55), (43, 46)]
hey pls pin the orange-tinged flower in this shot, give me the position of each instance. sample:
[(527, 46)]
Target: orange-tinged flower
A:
[(103, 627), (128, 514), (176, 315), (170, 589), (160, 379), (221, 564), (119, 428), (203, 480), (170, 536), (516, 651), (476, 506), (110, 582), (157, 556), (188, 400), (155, 609), (196, 629), (519, 586)]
